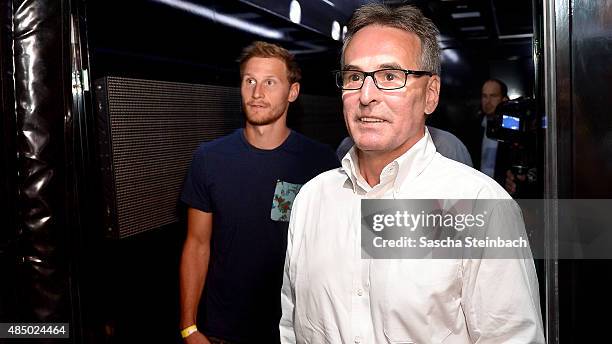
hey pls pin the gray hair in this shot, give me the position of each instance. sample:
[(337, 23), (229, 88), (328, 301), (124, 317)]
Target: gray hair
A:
[(407, 18)]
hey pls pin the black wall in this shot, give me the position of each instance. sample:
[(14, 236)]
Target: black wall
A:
[(584, 151)]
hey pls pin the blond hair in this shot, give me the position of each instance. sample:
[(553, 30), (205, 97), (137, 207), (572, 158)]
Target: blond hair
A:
[(269, 50)]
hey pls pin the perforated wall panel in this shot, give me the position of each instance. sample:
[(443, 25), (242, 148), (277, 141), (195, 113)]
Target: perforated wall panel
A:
[(147, 133)]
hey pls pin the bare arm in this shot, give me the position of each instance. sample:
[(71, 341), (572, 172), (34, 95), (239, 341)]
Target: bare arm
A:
[(194, 265)]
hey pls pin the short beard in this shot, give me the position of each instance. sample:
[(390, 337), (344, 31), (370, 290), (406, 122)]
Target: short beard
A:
[(264, 120)]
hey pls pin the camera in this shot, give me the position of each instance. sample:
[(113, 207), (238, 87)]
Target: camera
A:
[(518, 127), (515, 121)]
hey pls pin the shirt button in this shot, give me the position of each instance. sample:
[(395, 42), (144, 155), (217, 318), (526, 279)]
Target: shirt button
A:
[(359, 292), (357, 340)]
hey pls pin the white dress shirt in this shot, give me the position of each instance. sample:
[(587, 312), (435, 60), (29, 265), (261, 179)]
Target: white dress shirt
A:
[(488, 152), (331, 295)]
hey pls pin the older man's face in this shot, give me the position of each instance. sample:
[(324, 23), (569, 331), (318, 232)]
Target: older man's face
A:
[(380, 121)]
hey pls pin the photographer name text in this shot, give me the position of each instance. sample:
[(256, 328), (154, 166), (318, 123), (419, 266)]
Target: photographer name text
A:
[(468, 242)]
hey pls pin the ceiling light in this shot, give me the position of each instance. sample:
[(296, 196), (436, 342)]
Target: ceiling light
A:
[(295, 12), (335, 32), (450, 55), (462, 15), (472, 28), (225, 19), (523, 35)]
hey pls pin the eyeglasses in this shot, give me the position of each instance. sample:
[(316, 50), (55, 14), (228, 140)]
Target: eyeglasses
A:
[(384, 79)]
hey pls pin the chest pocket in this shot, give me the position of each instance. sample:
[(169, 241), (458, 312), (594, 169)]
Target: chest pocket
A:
[(284, 194)]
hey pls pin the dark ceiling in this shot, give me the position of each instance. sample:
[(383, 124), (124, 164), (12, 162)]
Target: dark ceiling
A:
[(460, 21), (491, 20), (202, 39)]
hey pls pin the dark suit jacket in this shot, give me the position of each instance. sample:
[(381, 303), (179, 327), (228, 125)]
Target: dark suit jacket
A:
[(472, 134)]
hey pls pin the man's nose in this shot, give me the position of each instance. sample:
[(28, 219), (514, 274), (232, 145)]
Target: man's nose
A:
[(369, 92), (257, 91)]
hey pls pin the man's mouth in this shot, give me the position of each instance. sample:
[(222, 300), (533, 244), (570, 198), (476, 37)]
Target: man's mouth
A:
[(370, 120)]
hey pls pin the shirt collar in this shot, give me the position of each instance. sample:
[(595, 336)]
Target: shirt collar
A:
[(403, 169), (350, 166)]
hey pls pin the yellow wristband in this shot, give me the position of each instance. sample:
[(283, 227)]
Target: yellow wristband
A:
[(187, 331)]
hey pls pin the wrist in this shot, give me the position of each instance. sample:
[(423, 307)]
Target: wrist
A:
[(188, 331)]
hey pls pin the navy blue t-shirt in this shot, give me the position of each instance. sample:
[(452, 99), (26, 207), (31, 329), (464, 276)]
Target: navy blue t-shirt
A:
[(249, 191)]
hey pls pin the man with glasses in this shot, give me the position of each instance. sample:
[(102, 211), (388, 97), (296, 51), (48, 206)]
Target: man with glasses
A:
[(446, 143), (390, 82), (239, 191)]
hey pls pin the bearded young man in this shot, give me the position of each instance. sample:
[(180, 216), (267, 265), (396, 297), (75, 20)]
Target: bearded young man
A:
[(239, 191)]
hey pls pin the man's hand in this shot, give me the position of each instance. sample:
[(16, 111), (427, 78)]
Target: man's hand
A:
[(511, 181), (196, 338)]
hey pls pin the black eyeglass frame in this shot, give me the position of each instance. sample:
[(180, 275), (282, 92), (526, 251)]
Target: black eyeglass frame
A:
[(418, 73)]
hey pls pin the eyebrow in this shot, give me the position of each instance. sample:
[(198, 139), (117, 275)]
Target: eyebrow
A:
[(269, 76), (380, 66)]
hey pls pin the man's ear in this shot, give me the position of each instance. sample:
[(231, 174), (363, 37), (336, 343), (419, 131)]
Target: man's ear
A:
[(294, 92), (432, 94)]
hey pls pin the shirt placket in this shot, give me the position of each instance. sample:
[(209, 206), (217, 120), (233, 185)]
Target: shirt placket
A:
[(360, 299), (362, 327), (361, 320)]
